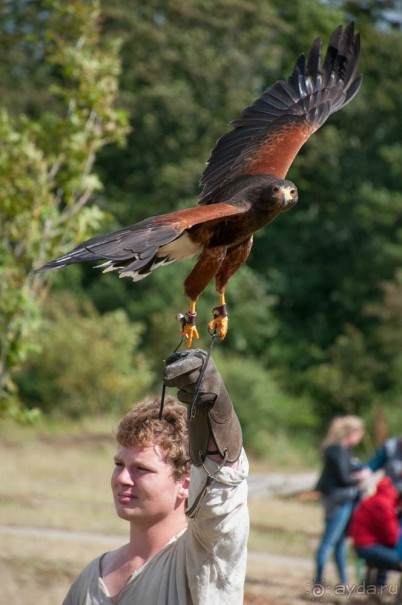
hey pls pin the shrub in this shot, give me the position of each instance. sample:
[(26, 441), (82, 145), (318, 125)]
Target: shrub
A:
[(86, 363)]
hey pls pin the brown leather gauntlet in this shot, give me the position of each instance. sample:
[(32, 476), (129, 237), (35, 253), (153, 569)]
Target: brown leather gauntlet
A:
[(212, 417)]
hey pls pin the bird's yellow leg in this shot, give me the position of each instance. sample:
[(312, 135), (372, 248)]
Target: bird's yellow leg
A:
[(220, 323), (189, 330)]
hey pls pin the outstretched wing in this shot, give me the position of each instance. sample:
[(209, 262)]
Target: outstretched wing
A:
[(158, 240), (269, 134)]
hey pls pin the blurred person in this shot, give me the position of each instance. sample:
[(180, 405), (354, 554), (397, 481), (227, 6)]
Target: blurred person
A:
[(188, 526), (375, 528), (338, 485), (389, 458)]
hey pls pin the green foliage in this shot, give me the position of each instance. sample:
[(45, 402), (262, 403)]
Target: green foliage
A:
[(86, 363), (47, 154), (314, 317), (302, 306), (264, 409)]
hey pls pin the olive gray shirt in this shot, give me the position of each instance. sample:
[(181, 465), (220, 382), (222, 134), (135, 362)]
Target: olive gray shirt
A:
[(204, 564)]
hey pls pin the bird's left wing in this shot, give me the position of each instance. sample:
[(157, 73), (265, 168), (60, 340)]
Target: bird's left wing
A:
[(269, 134), (139, 244)]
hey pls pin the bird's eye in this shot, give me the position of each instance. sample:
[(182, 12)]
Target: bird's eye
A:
[(275, 189), (292, 191)]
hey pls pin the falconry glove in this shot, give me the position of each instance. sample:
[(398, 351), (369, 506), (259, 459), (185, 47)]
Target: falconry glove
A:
[(212, 417)]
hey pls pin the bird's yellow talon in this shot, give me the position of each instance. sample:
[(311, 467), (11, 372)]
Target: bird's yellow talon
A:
[(189, 328), (219, 326), (189, 332)]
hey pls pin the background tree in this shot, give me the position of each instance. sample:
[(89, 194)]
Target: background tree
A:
[(319, 267), (314, 311), (48, 151)]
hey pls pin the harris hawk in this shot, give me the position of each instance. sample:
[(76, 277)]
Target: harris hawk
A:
[(243, 185)]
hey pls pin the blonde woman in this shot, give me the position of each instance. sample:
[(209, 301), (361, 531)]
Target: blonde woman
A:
[(338, 485)]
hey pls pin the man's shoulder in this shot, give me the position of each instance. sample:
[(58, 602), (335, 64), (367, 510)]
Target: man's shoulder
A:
[(92, 568), (85, 579), (109, 560), (391, 446)]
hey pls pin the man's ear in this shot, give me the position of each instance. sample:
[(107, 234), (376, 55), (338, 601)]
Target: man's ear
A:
[(184, 487)]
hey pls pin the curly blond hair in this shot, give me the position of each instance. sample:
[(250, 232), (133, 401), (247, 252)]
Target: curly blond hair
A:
[(142, 427)]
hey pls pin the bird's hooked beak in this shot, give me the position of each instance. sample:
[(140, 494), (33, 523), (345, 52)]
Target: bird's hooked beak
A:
[(287, 195)]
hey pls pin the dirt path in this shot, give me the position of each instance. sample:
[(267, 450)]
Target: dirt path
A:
[(271, 579), (265, 577)]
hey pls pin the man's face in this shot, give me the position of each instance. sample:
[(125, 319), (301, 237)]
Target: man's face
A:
[(143, 485)]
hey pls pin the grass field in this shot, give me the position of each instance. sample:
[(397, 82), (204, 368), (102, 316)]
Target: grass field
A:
[(56, 514)]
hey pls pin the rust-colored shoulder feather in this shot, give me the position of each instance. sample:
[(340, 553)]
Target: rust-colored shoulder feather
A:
[(138, 245)]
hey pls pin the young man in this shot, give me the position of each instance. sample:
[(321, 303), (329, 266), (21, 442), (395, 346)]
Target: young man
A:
[(188, 530)]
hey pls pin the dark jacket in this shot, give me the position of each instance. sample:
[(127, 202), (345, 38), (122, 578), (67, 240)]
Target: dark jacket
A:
[(337, 480)]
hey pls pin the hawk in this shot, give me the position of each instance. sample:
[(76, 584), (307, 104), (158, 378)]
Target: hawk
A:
[(243, 185)]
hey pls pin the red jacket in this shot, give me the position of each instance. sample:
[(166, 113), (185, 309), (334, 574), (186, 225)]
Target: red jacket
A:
[(374, 520)]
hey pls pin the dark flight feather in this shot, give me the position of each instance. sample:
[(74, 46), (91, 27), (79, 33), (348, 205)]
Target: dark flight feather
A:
[(311, 93)]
